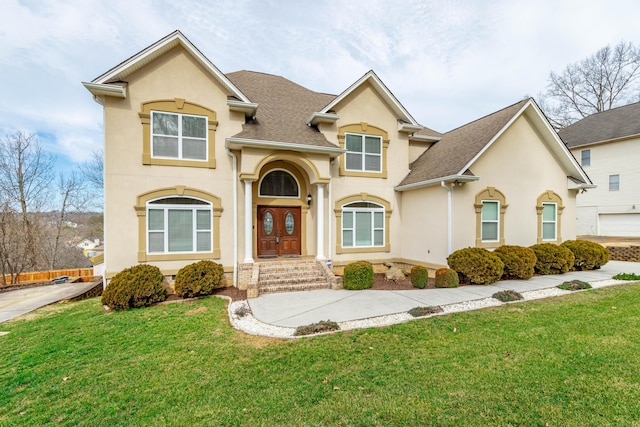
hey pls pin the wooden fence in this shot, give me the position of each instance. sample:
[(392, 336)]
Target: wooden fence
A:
[(40, 276)]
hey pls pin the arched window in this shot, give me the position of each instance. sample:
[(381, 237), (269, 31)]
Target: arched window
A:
[(549, 208), (179, 225), (362, 225), (279, 183)]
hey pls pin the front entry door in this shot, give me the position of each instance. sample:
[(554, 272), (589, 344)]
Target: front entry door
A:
[(278, 231)]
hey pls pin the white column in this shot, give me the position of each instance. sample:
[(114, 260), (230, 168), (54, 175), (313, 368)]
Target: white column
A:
[(320, 221), (248, 221)]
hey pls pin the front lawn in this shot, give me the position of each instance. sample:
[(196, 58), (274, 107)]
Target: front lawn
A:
[(567, 361)]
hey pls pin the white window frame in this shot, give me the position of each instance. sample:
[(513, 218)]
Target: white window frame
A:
[(194, 208), (614, 185), (585, 157), (496, 221), (554, 222), (363, 153), (371, 210), (180, 137)]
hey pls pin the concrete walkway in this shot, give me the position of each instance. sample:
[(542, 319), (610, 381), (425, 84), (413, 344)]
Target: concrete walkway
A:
[(21, 301), (293, 309)]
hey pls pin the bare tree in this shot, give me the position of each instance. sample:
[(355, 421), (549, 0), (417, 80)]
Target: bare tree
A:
[(607, 79), (93, 169)]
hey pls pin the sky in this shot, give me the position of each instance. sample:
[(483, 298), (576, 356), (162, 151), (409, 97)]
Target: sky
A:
[(448, 62)]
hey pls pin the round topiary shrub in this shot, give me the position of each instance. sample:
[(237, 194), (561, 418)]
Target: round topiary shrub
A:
[(588, 255), (358, 275), (419, 277), (477, 266), (137, 286), (200, 278), (446, 278), (552, 259), (519, 262)]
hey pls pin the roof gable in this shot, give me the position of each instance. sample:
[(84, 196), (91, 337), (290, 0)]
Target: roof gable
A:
[(453, 156), (105, 83), (621, 122)]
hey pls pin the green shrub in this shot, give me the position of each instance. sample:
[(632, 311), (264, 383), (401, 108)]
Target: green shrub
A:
[(574, 285), (626, 276), (552, 259), (425, 311), (507, 296), (519, 262), (419, 277), (200, 278), (477, 266), (358, 275), (137, 286), (446, 278), (316, 328), (588, 255)]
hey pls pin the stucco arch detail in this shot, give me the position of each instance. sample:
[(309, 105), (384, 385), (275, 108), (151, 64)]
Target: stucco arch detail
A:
[(296, 159)]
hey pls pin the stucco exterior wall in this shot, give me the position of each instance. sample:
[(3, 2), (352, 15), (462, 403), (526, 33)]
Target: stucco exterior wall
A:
[(174, 75)]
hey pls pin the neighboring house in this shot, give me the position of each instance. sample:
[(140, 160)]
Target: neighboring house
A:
[(242, 166), (608, 147), (88, 246)]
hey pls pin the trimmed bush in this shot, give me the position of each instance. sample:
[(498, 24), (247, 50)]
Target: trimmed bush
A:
[(425, 311), (358, 275), (446, 278), (574, 285), (507, 295), (519, 262), (419, 277), (552, 259), (477, 266), (588, 255), (200, 278), (137, 286)]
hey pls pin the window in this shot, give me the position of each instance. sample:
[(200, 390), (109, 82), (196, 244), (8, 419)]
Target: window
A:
[(614, 182), (363, 225), (364, 153), (585, 157), (279, 183), (179, 225), (549, 221), (490, 221), (178, 136)]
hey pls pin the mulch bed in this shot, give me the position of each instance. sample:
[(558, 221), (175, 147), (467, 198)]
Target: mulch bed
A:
[(380, 283)]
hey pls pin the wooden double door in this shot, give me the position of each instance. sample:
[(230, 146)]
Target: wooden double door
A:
[(278, 231)]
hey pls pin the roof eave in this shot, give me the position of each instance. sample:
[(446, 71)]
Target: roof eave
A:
[(248, 108), (103, 89), (319, 117), (234, 143), (436, 181), (409, 127), (424, 138)]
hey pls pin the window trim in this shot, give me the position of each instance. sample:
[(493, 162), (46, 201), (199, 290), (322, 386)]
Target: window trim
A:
[(496, 221), (616, 183), (193, 208), (369, 210), (177, 191), (362, 154), (177, 106), (546, 198), (180, 137), (487, 195), (368, 198), (554, 222), (365, 129), (585, 160)]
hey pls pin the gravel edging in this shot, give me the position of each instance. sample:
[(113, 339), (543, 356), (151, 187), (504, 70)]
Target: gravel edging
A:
[(248, 323)]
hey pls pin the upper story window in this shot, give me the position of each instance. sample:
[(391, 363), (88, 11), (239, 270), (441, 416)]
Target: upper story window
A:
[(585, 157), (179, 136), (179, 225), (614, 182), (364, 153)]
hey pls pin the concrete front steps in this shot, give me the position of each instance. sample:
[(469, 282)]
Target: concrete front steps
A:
[(290, 275)]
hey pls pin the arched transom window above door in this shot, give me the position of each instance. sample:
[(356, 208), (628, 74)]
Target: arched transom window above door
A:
[(279, 183)]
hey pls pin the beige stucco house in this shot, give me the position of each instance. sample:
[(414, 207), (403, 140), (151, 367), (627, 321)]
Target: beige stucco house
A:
[(247, 166), (608, 146)]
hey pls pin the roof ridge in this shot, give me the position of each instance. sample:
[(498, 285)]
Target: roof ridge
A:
[(489, 115)]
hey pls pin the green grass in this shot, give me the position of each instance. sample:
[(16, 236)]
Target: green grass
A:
[(567, 361)]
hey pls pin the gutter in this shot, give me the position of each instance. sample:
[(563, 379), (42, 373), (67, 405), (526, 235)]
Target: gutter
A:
[(235, 215), (231, 143), (435, 181)]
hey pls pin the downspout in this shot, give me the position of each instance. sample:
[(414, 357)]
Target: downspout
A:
[(235, 215), (329, 203), (449, 214)]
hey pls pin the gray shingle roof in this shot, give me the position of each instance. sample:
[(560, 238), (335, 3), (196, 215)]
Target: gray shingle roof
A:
[(611, 124), (458, 147), (283, 109)]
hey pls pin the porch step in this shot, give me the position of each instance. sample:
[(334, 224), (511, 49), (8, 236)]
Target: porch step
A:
[(290, 276)]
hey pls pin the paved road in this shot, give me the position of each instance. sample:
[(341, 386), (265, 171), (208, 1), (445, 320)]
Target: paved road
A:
[(17, 303)]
